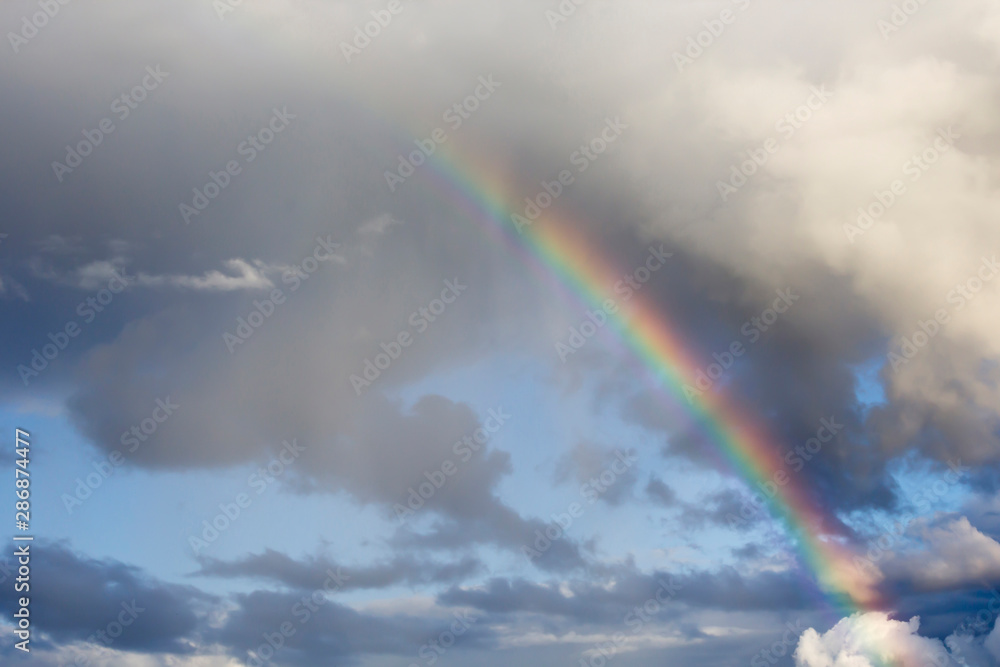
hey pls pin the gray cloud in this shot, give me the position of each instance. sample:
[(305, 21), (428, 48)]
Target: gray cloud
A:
[(862, 297), (74, 598), (311, 573)]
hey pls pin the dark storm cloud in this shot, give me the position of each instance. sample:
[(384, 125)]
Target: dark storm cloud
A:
[(323, 175), (789, 377), (972, 612), (73, 598), (333, 147)]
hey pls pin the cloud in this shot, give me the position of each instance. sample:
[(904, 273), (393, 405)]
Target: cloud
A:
[(787, 227), (660, 492), (946, 553), (327, 632), (587, 461), (732, 255), (870, 639), (728, 507), (96, 275), (247, 277), (310, 573), (75, 597), (613, 592)]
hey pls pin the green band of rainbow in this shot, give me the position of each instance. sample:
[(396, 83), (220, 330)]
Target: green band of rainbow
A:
[(557, 246)]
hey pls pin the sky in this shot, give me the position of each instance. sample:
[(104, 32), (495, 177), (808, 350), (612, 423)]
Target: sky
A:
[(409, 332)]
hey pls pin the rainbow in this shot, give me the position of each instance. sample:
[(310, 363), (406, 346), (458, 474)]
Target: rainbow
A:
[(553, 245)]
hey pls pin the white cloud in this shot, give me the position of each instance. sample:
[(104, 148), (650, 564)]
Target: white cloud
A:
[(867, 640), (247, 277), (240, 275)]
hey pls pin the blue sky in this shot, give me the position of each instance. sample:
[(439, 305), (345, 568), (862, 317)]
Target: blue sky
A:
[(253, 289)]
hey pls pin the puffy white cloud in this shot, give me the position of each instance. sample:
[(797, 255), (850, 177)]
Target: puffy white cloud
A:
[(871, 639)]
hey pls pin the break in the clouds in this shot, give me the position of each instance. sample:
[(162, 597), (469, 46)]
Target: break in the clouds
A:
[(330, 223)]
